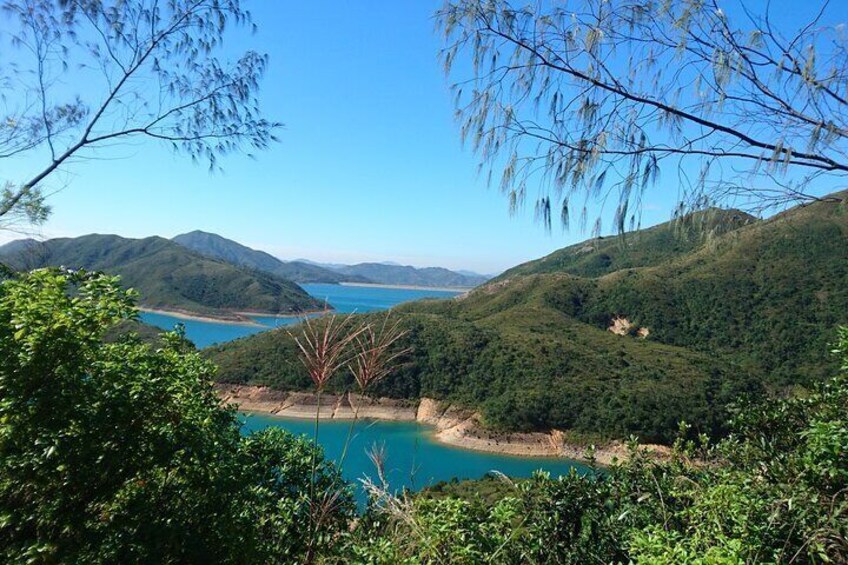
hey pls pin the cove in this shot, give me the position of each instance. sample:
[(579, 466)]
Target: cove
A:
[(345, 299), (413, 459)]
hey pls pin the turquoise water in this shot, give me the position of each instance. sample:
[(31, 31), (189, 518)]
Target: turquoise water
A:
[(412, 458), (361, 299), (204, 334), (344, 299)]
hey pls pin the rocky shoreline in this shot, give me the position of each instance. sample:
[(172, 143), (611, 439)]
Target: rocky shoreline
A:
[(452, 425)]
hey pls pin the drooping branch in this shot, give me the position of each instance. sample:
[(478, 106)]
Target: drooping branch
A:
[(591, 99), (161, 79)]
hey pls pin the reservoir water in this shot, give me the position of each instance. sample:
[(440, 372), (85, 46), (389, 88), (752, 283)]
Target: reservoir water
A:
[(368, 299), (413, 458), (345, 299)]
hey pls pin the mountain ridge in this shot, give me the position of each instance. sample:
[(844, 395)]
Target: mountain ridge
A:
[(167, 275), (749, 309), (306, 271), (387, 274), (218, 247)]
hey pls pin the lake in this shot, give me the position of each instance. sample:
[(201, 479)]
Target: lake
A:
[(361, 299), (413, 459), (345, 299)]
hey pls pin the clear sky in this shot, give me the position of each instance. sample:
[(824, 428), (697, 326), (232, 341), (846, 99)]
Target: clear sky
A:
[(370, 167)]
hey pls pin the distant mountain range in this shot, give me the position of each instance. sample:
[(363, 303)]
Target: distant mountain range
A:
[(382, 273), (167, 275), (217, 247), (305, 271), (205, 274)]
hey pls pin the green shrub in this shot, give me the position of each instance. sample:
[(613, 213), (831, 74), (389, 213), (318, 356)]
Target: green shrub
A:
[(120, 453)]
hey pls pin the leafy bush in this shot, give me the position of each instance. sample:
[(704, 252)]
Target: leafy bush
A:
[(120, 453)]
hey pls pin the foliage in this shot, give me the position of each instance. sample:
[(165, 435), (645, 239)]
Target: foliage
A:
[(590, 100), (29, 208), (774, 491), (526, 369), (119, 452), (134, 329), (767, 296), (166, 274)]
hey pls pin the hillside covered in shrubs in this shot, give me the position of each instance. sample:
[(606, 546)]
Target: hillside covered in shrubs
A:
[(750, 309)]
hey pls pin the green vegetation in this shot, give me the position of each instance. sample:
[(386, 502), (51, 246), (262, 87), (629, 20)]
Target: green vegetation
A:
[(120, 453), (525, 369), (767, 296), (153, 335), (743, 311), (775, 491), (167, 275), (642, 248), (217, 247)]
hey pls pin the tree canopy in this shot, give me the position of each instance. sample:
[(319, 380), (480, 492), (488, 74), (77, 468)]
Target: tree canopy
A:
[(120, 452)]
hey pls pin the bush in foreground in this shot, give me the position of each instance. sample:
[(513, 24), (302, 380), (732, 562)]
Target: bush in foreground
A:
[(121, 453)]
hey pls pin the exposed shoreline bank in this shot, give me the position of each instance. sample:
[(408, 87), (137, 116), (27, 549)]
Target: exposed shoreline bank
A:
[(238, 319), (459, 289), (457, 427)]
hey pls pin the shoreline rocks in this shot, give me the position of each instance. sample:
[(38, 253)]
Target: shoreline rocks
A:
[(452, 425)]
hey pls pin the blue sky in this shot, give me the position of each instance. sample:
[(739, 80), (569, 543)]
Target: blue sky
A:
[(370, 167)]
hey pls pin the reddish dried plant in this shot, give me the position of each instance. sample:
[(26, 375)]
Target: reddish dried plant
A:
[(324, 347), (374, 356)]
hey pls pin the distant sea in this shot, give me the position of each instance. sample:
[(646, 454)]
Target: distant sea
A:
[(345, 299)]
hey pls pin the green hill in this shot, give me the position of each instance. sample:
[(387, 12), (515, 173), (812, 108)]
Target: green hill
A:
[(217, 247), (526, 367), (751, 307), (768, 295), (167, 275), (643, 248)]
